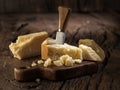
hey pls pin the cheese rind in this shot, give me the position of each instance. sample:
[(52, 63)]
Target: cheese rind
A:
[(28, 45), (54, 51)]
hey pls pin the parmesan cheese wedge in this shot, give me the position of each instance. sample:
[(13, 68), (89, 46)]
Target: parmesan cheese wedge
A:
[(28, 45), (91, 43), (54, 51), (89, 54)]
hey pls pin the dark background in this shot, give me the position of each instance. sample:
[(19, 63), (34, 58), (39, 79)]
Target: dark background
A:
[(43, 6)]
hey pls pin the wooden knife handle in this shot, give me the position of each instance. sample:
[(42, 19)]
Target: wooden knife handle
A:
[(64, 14)]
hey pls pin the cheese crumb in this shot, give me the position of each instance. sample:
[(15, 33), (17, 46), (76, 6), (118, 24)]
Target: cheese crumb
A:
[(57, 63), (40, 62), (33, 64), (37, 80), (67, 60), (48, 62), (77, 61), (63, 58)]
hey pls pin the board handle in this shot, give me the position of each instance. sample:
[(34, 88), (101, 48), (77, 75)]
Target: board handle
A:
[(26, 73), (64, 14)]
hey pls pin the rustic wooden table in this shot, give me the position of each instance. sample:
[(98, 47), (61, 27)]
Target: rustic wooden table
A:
[(104, 28)]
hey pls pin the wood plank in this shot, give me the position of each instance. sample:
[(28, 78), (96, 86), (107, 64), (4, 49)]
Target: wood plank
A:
[(86, 5), (52, 5), (29, 6), (99, 5), (111, 75), (112, 5), (78, 83), (37, 6), (25, 6), (71, 4), (11, 6), (2, 7), (51, 86), (90, 5)]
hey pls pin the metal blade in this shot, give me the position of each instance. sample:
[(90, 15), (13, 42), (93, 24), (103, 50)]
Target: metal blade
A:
[(60, 37)]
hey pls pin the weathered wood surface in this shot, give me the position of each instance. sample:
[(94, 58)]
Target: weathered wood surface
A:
[(104, 28), (30, 6)]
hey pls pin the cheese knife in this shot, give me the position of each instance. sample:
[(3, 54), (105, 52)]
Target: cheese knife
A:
[(64, 14)]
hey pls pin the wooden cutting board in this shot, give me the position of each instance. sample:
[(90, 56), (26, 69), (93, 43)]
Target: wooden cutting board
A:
[(55, 73)]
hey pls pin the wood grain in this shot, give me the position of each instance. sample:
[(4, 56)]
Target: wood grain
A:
[(102, 27), (2, 7)]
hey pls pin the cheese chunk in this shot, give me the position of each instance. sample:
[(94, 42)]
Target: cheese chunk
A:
[(91, 43), (28, 45), (57, 63), (40, 62), (48, 62), (77, 61), (67, 60), (54, 51), (89, 54)]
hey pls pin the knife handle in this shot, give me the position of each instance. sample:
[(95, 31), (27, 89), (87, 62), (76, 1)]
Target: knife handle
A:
[(64, 14)]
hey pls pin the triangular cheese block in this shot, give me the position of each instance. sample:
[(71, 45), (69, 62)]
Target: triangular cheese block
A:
[(28, 45)]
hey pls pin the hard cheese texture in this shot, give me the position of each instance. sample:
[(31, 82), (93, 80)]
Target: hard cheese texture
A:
[(89, 53), (54, 51), (28, 45), (93, 45)]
